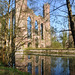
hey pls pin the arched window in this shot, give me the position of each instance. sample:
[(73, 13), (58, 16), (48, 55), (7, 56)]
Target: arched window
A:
[(36, 27), (42, 31), (36, 42), (9, 28), (9, 24), (29, 44), (29, 27), (13, 19)]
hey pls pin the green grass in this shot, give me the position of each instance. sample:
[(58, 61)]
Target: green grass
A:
[(10, 71), (49, 48)]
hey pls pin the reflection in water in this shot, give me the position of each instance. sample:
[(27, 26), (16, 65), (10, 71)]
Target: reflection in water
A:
[(36, 65), (36, 70), (28, 56), (59, 66), (37, 59), (42, 68), (46, 65), (72, 66), (30, 68)]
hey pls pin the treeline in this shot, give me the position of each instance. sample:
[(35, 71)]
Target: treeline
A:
[(7, 31)]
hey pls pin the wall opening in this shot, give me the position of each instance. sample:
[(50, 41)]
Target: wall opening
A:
[(29, 27), (42, 31), (13, 19), (36, 27), (36, 42), (29, 44)]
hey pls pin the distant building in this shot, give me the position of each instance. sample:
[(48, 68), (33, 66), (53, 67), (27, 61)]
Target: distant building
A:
[(25, 38)]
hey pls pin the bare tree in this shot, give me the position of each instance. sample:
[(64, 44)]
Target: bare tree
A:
[(71, 20)]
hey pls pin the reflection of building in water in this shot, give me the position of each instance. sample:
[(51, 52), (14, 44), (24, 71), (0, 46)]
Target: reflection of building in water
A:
[(37, 65)]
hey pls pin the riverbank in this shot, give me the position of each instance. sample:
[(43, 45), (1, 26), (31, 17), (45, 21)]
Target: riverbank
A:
[(48, 51), (10, 71)]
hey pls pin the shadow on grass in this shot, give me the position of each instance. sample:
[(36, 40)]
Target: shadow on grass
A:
[(10, 71)]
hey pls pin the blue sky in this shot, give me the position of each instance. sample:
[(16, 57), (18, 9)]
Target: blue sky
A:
[(56, 17)]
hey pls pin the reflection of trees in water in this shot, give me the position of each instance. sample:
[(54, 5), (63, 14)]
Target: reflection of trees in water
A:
[(59, 66), (72, 66), (53, 65), (65, 66)]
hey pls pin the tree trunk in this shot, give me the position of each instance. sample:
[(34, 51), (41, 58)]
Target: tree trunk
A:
[(71, 20)]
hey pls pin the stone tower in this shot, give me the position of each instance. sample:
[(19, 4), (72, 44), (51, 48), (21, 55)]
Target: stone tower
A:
[(47, 24), (24, 4), (21, 22), (21, 5)]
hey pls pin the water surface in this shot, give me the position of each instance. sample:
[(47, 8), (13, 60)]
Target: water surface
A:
[(46, 65)]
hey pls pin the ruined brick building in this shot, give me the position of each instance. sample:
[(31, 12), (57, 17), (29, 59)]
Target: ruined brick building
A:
[(37, 36)]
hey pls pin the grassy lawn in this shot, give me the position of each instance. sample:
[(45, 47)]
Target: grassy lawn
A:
[(10, 71)]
